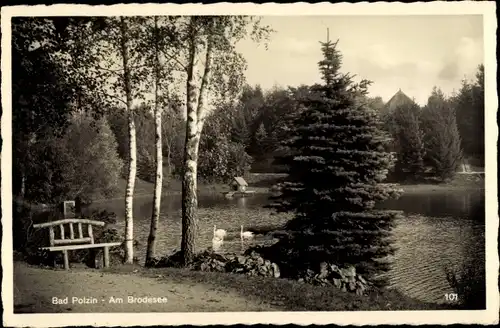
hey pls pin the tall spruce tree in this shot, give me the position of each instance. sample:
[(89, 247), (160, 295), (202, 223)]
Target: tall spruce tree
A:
[(335, 179), (410, 138), (469, 108), (442, 139)]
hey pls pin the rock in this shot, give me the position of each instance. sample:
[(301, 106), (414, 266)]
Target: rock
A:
[(337, 282), (360, 278), (323, 270), (349, 272), (335, 272), (241, 259), (276, 270), (334, 268)]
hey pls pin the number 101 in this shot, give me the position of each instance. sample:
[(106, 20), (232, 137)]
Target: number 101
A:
[(451, 297)]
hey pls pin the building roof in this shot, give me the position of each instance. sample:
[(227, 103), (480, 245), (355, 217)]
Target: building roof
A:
[(240, 181), (400, 98)]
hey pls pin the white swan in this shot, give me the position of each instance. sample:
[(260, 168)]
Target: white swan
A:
[(219, 233), (245, 234), (217, 243)]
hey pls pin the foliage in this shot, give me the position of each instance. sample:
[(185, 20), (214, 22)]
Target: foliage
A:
[(469, 108), (410, 158), (220, 158), (442, 139), (260, 122), (40, 99), (245, 113), (278, 104), (88, 159), (336, 170), (376, 103), (470, 286), (173, 142)]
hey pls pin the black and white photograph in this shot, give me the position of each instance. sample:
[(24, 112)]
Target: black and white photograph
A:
[(298, 163)]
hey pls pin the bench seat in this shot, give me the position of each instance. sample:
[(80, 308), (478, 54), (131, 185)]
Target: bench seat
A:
[(85, 246), (64, 244)]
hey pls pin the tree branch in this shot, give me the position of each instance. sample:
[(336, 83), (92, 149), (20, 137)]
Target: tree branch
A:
[(110, 70), (115, 97), (184, 67)]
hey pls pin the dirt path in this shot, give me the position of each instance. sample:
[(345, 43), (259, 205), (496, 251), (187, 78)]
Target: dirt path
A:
[(34, 289)]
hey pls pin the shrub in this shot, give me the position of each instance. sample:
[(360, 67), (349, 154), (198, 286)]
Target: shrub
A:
[(469, 285), (222, 160)]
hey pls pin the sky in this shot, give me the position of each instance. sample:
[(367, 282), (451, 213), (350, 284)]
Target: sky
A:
[(411, 53)]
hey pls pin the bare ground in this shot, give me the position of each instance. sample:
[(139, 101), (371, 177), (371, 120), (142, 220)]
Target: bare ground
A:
[(34, 288)]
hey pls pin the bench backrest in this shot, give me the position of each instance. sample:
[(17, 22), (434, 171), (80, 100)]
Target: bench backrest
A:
[(63, 238)]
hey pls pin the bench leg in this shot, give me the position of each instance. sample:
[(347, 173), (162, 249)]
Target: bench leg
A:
[(66, 260), (106, 256)]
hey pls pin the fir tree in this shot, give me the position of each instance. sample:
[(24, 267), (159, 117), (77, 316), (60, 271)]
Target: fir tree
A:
[(469, 108), (442, 139), (335, 179), (410, 163), (260, 139)]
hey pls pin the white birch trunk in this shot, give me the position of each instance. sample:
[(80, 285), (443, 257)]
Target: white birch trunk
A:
[(132, 167), (189, 187), (151, 250), (195, 118)]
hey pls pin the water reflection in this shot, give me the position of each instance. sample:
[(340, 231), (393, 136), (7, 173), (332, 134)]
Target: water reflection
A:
[(440, 230), (463, 204)]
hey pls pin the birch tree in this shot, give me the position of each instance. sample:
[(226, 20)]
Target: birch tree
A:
[(122, 67), (160, 39), (159, 155), (213, 38)]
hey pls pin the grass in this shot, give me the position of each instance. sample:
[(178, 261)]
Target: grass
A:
[(286, 294), (459, 183), (259, 183)]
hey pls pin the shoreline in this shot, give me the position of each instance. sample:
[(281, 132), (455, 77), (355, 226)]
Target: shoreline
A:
[(434, 188), (147, 189)]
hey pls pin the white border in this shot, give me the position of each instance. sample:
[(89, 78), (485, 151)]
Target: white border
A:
[(489, 316)]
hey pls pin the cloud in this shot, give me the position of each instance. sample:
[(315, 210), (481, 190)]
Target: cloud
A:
[(449, 71), (298, 48), (463, 60)]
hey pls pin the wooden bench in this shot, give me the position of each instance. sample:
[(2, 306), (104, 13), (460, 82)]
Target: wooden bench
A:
[(64, 244)]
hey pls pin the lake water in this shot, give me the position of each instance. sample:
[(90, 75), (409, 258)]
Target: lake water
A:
[(439, 230)]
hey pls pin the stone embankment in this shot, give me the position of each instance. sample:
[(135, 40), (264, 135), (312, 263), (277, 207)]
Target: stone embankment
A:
[(253, 264)]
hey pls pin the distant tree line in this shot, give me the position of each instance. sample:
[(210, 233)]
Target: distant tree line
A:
[(433, 141)]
